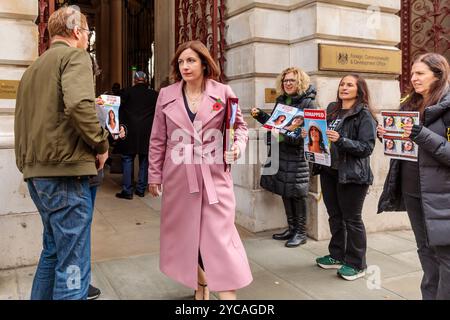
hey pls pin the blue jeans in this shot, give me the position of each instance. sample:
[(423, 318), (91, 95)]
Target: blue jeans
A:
[(93, 191), (64, 268), (127, 179)]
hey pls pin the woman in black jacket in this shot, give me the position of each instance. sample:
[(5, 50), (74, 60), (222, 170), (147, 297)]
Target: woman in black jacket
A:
[(291, 180), (352, 131), (423, 187)]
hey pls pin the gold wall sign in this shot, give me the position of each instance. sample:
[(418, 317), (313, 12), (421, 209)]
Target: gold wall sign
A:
[(8, 89), (271, 95), (356, 59)]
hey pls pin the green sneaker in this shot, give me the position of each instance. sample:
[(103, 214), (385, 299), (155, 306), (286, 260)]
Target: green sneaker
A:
[(327, 262), (350, 273)]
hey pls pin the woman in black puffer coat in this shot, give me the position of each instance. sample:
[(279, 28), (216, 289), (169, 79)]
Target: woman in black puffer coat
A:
[(291, 180), (423, 187)]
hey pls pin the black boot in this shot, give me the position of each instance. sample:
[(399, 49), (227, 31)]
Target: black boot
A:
[(299, 225), (286, 234)]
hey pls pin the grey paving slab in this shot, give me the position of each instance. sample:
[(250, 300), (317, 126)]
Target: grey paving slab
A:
[(25, 278), (406, 285), (409, 257), (404, 234), (139, 278), (99, 280), (133, 219), (318, 248), (8, 285), (389, 266), (268, 286), (105, 204), (272, 255), (389, 244), (326, 285)]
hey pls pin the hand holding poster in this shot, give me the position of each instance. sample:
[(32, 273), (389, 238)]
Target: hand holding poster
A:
[(111, 105), (317, 146), (395, 145)]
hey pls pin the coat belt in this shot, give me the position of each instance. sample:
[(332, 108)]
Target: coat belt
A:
[(202, 152)]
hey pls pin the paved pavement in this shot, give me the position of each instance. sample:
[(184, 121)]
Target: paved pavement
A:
[(125, 248)]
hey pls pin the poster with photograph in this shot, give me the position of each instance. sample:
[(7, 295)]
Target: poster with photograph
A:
[(294, 127), (317, 145), (395, 145), (281, 116), (393, 121), (111, 104)]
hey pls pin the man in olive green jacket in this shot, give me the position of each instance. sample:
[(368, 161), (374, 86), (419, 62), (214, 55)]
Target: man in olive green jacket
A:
[(58, 139)]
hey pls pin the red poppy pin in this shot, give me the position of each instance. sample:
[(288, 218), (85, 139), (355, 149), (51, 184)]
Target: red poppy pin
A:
[(217, 106)]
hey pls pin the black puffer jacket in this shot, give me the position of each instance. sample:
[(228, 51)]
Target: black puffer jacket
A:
[(291, 180), (357, 132), (434, 175)]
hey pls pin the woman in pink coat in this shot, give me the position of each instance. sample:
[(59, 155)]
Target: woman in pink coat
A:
[(200, 246)]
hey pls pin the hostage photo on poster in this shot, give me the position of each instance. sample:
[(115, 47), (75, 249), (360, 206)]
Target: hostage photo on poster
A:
[(393, 121), (289, 120), (111, 105), (317, 146), (397, 147)]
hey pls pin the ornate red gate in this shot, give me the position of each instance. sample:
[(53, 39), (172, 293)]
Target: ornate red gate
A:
[(46, 8), (202, 20), (425, 27)]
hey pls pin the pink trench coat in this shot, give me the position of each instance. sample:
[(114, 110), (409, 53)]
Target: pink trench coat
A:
[(198, 204)]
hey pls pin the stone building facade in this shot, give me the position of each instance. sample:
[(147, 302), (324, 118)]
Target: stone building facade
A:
[(262, 38)]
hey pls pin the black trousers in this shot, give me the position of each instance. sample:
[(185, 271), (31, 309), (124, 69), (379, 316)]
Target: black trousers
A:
[(344, 203), (435, 261)]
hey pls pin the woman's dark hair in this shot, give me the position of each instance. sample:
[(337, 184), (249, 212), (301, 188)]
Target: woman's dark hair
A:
[(388, 117), (362, 96), (292, 120), (393, 144), (211, 71), (111, 118), (438, 64), (321, 142), (404, 143), (405, 118), (281, 115)]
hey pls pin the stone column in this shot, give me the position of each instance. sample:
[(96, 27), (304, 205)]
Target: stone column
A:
[(116, 42), (164, 39), (20, 226), (266, 36)]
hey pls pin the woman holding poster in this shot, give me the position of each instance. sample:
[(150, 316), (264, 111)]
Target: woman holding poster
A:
[(422, 187), (290, 175), (352, 132)]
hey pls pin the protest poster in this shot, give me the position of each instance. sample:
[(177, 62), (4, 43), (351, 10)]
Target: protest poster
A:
[(281, 116), (317, 145), (393, 121), (395, 145), (111, 104)]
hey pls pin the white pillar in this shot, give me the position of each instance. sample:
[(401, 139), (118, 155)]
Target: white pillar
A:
[(20, 227)]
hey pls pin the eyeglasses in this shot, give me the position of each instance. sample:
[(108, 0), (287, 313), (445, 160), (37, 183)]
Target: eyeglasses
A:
[(289, 81), (88, 31)]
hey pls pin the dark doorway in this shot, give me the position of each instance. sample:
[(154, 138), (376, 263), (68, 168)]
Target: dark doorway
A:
[(122, 41)]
